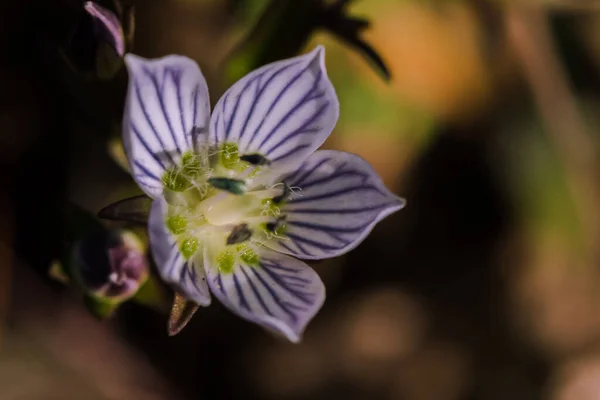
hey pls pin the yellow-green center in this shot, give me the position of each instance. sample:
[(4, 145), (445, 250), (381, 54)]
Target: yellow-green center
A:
[(213, 204)]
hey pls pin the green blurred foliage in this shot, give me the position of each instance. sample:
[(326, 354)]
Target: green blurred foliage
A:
[(537, 179)]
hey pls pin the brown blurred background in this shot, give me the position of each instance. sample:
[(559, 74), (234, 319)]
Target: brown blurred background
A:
[(486, 286)]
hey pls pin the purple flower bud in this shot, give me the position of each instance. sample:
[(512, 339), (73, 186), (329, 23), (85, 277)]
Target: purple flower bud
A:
[(107, 26), (112, 265)]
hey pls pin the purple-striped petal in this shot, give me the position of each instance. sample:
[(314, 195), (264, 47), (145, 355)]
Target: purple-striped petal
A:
[(186, 276), (280, 293), (284, 110), (166, 106), (107, 25), (336, 200)]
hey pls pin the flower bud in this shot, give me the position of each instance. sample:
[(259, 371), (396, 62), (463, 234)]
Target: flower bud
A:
[(101, 39), (107, 26), (111, 265)]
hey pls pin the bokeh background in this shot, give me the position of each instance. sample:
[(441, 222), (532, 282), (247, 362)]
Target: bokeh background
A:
[(486, 286)]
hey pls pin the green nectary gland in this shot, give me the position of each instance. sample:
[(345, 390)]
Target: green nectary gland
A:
[(180, 178), (188, 247), (247, 255), (224, 161), (226, 261), (229, 156), (176, 224)]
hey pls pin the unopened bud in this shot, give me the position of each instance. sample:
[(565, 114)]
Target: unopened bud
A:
[(111, 265)]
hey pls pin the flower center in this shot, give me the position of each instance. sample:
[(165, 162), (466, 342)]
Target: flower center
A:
[(229, 210), (216, 203)]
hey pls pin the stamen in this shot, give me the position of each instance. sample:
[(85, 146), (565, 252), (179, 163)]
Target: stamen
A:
[(284, 195), (255, 159), (239, 234), (276, 225), (263, 219), (234, 186), (265, 193), (246, 173)]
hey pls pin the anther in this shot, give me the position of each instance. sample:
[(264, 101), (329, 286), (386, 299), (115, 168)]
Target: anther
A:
[(284, 195), (255, 159), (277, 224), (234, 186), (239, 234)]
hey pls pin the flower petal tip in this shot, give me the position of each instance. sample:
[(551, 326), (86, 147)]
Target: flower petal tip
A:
[(284, 111), (131, 58), (398, 204), (319, 51), (167, 98), (318, 55), (134, 62), (280, 293), (401, 203), (285, 332), (295, 334), (341, 200)]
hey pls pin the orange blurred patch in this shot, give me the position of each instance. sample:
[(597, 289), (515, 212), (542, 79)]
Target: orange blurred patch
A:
[(388, 154), (434, 55)]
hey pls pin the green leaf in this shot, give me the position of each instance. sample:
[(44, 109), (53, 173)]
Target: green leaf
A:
[(152, 295)]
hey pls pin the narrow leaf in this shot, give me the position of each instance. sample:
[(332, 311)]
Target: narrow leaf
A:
[(370, 55), (349, 29), (181, 313), (134, 209)]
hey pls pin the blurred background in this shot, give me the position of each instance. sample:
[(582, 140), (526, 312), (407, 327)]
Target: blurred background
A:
[(482, 114)]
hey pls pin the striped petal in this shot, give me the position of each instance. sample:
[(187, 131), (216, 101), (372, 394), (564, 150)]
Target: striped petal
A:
[(279, 293), (283, 111), (187, 277), (166, 106), (336, 200)]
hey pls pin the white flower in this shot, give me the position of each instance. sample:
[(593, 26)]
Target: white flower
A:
[(238, 193)]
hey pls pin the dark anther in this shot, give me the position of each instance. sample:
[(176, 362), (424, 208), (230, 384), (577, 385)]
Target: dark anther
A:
[(283, 196), (255, 159), (277, 224), (234, 186), (239, 234)]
